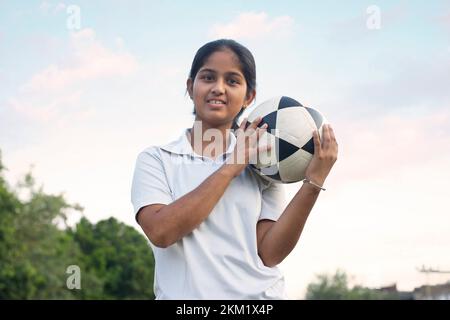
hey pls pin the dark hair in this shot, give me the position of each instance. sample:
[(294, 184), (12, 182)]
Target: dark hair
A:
[(246, 61)]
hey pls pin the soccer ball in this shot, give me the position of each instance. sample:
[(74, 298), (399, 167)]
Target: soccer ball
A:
[(289, 132)]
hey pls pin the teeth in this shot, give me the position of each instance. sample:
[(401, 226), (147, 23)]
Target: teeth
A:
[(216, 102)]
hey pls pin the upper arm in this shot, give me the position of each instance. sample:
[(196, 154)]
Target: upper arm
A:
[(261, 230), (150, 185), (273, 202)]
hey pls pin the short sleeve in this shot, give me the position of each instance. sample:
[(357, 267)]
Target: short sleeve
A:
[(149, 184), (273, 200)]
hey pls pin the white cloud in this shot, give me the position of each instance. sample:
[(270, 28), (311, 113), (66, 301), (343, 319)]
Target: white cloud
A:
[(42, 110), (443, 19), (54, 93), (90, 60), (252, 25)]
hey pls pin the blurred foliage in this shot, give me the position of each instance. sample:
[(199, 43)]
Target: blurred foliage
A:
[(36, 247), (336, 287)]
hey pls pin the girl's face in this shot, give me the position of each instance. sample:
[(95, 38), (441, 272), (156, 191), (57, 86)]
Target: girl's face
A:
[(219, 89)]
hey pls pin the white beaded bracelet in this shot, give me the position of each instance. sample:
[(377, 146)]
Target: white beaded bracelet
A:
[(314, 184)]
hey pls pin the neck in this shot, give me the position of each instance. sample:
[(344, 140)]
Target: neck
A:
[(209, 141)]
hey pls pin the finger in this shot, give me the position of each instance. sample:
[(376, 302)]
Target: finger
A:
[(243, 124), (251, 128), (261, 130), (255, 123), (265, 148), (326, 136), (333, 139), (332, 135), (317, 143), (241, 128)]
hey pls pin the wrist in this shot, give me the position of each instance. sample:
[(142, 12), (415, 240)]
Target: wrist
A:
[(228, 170), (311, 189), (316, 179), (313, 184)]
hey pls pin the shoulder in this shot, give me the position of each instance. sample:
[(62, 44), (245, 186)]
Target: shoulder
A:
[(161, 156), (150, 156), (175, 146), (150, 152)]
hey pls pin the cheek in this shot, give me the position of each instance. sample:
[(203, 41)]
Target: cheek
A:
[(239, 96), (199, 90)]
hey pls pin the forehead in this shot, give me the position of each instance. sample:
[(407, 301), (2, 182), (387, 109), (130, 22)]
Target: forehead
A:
[(223, 61)]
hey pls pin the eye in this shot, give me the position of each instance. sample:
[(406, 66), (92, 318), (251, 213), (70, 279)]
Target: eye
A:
[(233, 81), (207, 77)]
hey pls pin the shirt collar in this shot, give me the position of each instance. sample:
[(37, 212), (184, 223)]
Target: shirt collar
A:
[(182, 145)]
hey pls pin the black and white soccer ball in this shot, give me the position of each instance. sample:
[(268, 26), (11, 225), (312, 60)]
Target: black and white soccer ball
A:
[(289, 131)]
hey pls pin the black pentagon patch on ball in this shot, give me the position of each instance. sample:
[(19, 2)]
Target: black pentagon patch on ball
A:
[(271, 120), (285, 149), (309, 146), (286, 102)]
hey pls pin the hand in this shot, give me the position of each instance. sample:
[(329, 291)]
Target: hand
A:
[(247, 147), (325, 155)]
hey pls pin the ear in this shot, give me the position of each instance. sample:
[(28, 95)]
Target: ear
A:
[(250, 97), (189, 87)]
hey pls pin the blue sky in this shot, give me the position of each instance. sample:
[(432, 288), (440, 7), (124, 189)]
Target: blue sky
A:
[(80, 105)]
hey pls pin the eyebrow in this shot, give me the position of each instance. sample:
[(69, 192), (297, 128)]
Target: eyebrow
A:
[(214, 71)]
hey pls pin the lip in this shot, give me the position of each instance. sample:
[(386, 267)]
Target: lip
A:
[(216, 105)]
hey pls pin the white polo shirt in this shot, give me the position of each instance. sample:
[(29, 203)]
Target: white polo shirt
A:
[(219, 259)]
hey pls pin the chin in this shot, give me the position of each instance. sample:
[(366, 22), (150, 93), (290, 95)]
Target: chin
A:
[(217, 121)]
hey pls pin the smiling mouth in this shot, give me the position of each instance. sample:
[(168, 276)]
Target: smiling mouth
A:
[(216, 102)]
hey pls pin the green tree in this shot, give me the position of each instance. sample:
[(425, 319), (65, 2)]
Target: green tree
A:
[(336, 287), (10, 275), (34, 252), (36, 247), (119, 256)]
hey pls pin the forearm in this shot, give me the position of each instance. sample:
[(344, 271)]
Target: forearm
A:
[(284, 234), (179, 218)]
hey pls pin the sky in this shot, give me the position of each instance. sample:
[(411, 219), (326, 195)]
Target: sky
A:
[(85, 86)]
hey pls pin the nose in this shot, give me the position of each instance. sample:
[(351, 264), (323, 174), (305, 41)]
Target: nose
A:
[(218, 88)]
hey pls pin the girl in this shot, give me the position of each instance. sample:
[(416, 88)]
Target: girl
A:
[(217, 229)]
